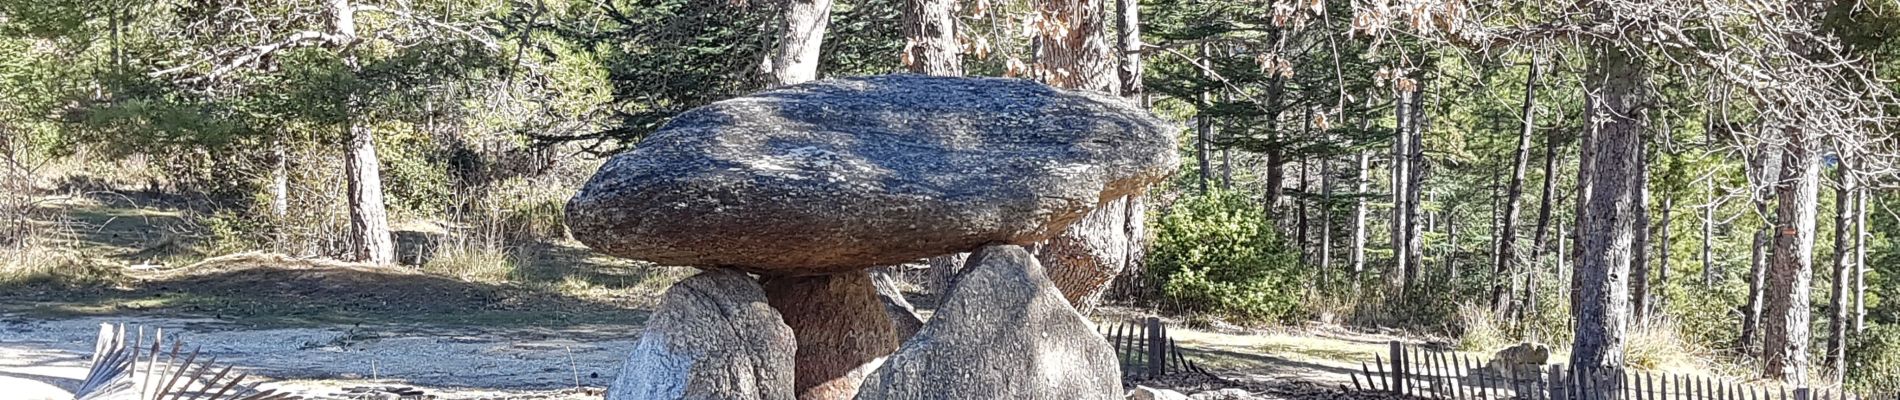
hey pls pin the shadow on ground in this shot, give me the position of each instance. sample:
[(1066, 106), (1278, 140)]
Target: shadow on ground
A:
[(269, 290)]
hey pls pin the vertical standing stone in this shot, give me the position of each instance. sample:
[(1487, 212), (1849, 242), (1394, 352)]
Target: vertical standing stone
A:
[(841, 327), (714, 338), (1003, 332)]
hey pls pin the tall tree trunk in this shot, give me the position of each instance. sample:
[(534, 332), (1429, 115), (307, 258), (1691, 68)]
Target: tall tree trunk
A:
[(801, 35), (1586, 172), (1843, 259), (1397, 276), (1562, 256), (1507, 242), (1203, 126), (1785, 315), (1086, 257), (1541, 237), (1451, 242), (1767, 173), (1325, 216), (1275, 177), (1077, 55), (1639, 249), (1300, 222), (369, 221), (1414, 175), (930, 29), (279, 182), (1860, 259), (1361, 185), (1757, 272), (1708, 239), (1662, 260), (1610, 216), (1128, 38)]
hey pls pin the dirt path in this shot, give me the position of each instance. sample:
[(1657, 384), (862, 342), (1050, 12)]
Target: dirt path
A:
[(44, 359)]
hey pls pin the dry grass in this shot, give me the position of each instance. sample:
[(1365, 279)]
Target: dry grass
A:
[(475, 261), (1481, 330), (38, 264)]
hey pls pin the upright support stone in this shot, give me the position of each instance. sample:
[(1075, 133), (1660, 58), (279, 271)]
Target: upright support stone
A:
[(842, 330), (1003, 332), (713, 338)]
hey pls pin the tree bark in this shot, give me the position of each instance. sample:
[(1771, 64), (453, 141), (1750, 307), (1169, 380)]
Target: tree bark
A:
[(1362, 184), (1708, 240), (1507, 243), (1843, 259), (1541, 237), (1639, 249), (1785, 315), (279, 182), (930, 27), (1325, 217), (1077, 55), (1203, 126), (1089, 254), (943, 270), (801, 35), (1609, 217), (1397, 276), (1451, 243), (904, 319), (1300, 221), (1757, 272), (1128, 38), (1860, 260), (1662, 260), (1414, 176), (1586, 167), (1767, 172), (369, 219)]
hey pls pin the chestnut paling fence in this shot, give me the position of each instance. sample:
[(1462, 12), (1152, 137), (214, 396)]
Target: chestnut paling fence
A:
[(1448, 375), (1144, 349)]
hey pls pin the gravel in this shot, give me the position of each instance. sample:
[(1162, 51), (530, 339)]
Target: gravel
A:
[(46, 358)]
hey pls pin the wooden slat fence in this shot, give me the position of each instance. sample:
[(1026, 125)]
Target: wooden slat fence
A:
[(1145, 350), (1449, 375)]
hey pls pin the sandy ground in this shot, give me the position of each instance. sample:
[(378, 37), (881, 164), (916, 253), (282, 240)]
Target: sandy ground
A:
[(45, 359)]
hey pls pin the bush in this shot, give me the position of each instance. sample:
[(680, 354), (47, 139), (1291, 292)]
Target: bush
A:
[(1218, 253), (1873, 360)]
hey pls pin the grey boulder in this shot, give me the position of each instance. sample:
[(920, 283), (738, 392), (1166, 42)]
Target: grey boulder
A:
[(847, 174), (713, 338), (1002, 332), (1148, 393)]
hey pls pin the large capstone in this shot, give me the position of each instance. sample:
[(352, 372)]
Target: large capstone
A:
[(847, 174), (713, 338), (1002, 332)]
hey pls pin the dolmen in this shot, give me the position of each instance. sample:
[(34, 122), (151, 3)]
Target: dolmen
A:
[(786, 198)]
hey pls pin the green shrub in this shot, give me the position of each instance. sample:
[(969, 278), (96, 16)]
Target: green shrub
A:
[(1873, 360), (1218, 253)]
